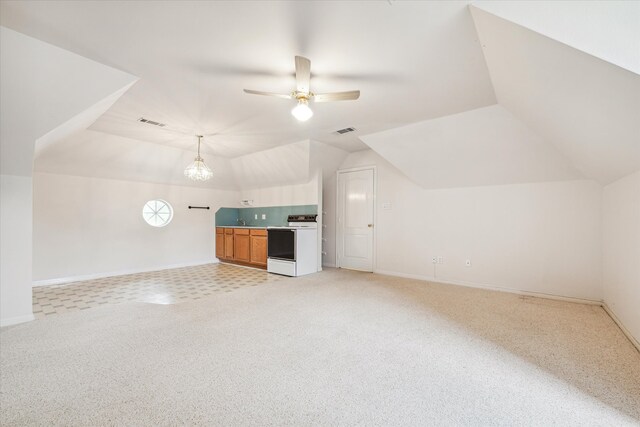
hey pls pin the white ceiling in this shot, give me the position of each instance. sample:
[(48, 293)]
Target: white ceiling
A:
[(487, 146), (38, 95), (430, 73), (288, 164), (411, 60), (97, 154), (609, 29), (587, 107)]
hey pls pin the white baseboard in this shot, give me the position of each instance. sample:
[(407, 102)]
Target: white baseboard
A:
[(63, 280), (15, 320), (618, 322), (489, 287)]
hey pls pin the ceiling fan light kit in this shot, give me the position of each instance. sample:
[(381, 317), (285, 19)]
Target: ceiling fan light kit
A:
[(198, 170), (302, 94), (302, 112)]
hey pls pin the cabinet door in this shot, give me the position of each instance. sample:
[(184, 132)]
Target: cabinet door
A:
[(220, 245), (259, 250), (228, 245), (241, 248)]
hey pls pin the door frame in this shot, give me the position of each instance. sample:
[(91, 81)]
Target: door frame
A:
[(375, 217)]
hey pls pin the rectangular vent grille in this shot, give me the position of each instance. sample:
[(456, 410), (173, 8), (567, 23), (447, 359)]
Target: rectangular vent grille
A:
[(345, 130), (151, 122)]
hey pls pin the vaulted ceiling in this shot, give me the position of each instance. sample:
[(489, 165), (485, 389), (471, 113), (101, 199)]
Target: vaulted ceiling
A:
[(585, 106), (486, 146), (563, 113), (452, 94), (411, 61)]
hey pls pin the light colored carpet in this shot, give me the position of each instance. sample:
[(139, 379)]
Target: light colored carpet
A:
[(334, 348)]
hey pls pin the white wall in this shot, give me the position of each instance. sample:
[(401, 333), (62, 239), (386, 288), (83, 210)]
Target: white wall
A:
[(542, 237), (15, 249), (90, 226), (283, 195), (621, 254)]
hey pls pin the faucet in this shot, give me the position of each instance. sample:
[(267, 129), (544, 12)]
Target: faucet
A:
[(241, 221)]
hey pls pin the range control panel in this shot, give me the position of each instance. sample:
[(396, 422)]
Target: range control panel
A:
[(302, 218)]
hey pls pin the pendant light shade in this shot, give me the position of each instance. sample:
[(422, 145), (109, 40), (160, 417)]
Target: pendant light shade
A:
[(198, 170)]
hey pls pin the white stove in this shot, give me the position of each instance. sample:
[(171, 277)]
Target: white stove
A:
[(292, 250)]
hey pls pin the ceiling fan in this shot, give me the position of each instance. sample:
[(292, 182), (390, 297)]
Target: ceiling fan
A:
[(302, 94)]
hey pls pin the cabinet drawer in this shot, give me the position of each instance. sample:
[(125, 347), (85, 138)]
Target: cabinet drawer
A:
[(219, 230), (258, 232), (241, 231), (286, 268), (228, 231)]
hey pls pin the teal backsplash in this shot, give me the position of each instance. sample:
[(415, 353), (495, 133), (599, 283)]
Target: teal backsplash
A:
[(227, 216), (276, 215)]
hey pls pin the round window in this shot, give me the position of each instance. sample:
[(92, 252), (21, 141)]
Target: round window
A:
[(157, 213)]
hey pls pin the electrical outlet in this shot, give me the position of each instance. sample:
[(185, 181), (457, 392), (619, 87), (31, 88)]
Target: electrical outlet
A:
[(264, 216), (434, 260), (439, 260), (255, 216), (468, 263)]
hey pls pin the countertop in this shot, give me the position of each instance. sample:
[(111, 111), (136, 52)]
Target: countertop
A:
[(240, 226)]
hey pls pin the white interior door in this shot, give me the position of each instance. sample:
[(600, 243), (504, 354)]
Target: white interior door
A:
[(354, 218)]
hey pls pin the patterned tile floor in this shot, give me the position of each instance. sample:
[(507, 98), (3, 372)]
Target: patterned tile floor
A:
[(157, 287)]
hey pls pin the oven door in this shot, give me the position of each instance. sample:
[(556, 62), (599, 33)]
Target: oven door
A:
[(281, 244)]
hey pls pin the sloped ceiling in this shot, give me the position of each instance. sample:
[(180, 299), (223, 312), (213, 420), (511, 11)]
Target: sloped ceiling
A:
[(609, 30), (97, 154), (325, 159), (295, 163), (413, 61), (287, 164), (562, 113), (487, 146), (42, 88), (587, 107)]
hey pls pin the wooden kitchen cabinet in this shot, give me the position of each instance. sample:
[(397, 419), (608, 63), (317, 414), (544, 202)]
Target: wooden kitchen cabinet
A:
[(228, 243), (219, 242), (241, 245), (259, 247), (246, 246)]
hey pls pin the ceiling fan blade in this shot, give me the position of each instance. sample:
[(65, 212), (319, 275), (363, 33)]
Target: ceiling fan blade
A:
[(258, 92), (303, 74), (336, 96)]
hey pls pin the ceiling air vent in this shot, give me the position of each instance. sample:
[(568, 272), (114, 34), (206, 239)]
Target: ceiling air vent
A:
[(345, 130), (151, 122)]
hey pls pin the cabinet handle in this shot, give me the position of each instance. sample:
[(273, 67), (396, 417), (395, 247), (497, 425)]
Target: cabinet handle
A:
[(370, 225)]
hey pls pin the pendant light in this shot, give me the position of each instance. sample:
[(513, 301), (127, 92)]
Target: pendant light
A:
[(197, 170)]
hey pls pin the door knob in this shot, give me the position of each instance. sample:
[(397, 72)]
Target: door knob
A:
[(370, 225)]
